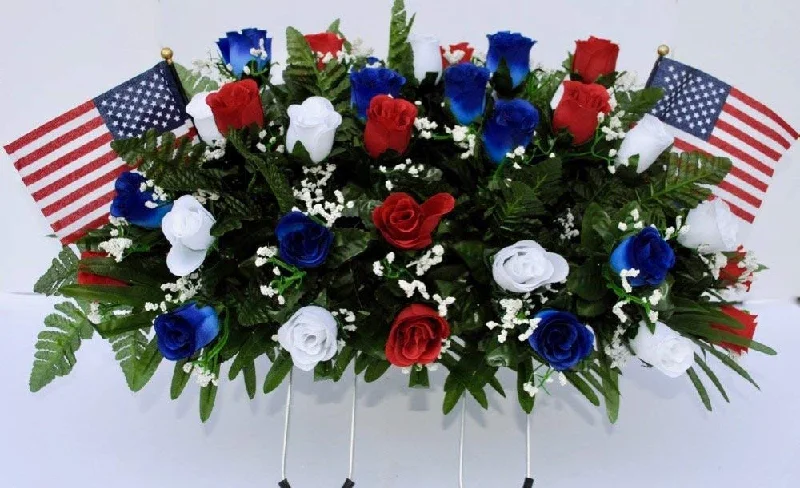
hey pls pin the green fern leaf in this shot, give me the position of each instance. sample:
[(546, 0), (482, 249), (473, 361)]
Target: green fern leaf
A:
[(401, 57), (688, 178), (193, 82), (138, 357), (62, 271), (301, 65), (57, 344)]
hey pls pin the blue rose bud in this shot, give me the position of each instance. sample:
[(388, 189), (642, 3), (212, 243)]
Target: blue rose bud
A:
[(302, 242), (561, 339), (646, 252), (239, 48), (515, 49), (510, 125), (369, 82), (185, 330), (465, 90), (136, 206)]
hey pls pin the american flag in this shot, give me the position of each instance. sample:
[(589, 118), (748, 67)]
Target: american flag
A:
[(711, 116), (68, 165)]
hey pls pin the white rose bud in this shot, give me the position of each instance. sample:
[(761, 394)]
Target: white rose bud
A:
[(427, 56), (526, 266), (648, 139), (188, 228), (309, 336), (712, 228), (313, 124), (668, 351), (203, 118)]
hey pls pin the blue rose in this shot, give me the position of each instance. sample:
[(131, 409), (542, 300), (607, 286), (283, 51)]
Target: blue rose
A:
[(465, 89), (239, 48), (368, 82), (185, 330), (136, 206), (515, 49), (510, 125), (303, 242), (647, 252), (561, 339)]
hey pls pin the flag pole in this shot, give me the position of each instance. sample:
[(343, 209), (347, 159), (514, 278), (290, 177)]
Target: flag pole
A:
[(166, 55), (663, 51)]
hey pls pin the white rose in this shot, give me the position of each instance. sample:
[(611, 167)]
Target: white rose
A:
[(203, 118), (309, 336), (188, 228), (648, 139), (666, 350), (427, 56), (313, 124), (526, 265), (712, 228)]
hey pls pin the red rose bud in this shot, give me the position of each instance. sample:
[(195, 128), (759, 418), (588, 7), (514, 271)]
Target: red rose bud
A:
[(236, 105), (456, 54), (748, 320), (87, 278), (578, 110), (594, 58), (735, 272), (416, 336), (407, 225), (323, 44), (389, 125)]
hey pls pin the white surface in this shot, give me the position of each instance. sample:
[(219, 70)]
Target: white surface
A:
[(87, 430)]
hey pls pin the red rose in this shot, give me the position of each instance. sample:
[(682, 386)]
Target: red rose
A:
[(464, 47), (324, 43), (87, 278), (407, 225), (578, 109), (416, 336), (748, 320), (735, 271), (389, 124), (236, 105), (594, 58)]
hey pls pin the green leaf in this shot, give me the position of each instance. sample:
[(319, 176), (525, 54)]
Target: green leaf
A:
[(451, 398), (301, 65), (610, 390), (138, 357), (583, 387), (688, 179), (730, 363), (524, 375), (637, 103), (179, 380), (119, 324), (479, 395), (418, 378), (498, 387), (278, 371), (596, 229), (265, 165), (474, 255), (544, 178), (249, 374), (135, 296), (57, 344), (347, 244), (401, 56), (362, 362), (590, 309), (193, 82), (208, 395), (254, 346), (62, 271), (375, 370), (343, 359), (701, 390), (711, 376), (587, 281)]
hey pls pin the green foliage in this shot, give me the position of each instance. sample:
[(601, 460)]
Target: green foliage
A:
[(268, 168), (636, 104), (138, 357), (401, 57), (57, 344), (701, 390), (179, 380), (193, 82), (208, 395), (301, 69), (62, 271), (347, 244), (686, 179), (279, 370), (163, 156)]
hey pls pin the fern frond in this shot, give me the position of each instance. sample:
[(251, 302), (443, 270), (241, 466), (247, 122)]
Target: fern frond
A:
[(688, 179), (138, 357), (401, 57), (62, 271), (193, 82)]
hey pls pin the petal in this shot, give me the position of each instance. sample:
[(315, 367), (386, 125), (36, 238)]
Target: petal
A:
[(208, 329), (560, 268), (182, 261), (621, 257)]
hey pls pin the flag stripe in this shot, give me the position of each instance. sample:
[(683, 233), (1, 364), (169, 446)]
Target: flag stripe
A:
[(72, 176), (763, 109), (82, 212), (78, 233), (66, 200), (735, 190), (749, 140), (67, 158), (735, 171), (59, 142), (755, 124), (741, 155), (62, 119), (740, 212)]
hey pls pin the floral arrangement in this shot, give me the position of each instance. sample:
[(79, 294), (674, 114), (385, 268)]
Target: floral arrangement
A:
[(438, 207)]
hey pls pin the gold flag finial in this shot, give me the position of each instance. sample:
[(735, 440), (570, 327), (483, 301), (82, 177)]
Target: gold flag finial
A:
[(663, 50), (167, 54)]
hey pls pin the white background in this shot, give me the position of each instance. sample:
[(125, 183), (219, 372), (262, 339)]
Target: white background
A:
[(88, 431)]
